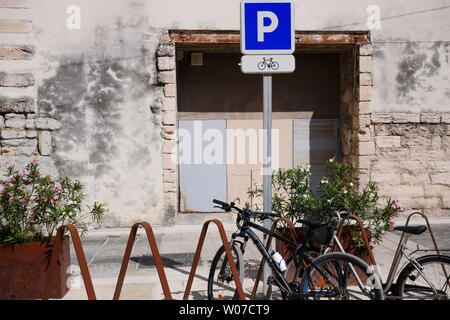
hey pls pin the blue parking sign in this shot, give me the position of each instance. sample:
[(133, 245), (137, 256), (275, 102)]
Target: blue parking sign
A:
[(267, 27)]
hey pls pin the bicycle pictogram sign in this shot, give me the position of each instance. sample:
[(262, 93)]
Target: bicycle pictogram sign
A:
[(269, 63)]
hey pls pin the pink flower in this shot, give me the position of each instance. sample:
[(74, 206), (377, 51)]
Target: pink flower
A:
[(54, 198), (395, 203), (35, 161), (392, 224), (24, 202), (57, 187)]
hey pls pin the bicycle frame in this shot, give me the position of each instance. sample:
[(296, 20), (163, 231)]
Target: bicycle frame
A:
[(396, 260), (246, 233), (396, 263), (335, 239)]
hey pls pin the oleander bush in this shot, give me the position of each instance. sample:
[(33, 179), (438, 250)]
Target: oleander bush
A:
[(33, 206), (292, 198)]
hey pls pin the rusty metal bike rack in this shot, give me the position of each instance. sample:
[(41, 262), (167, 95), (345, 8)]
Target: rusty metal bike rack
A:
[(396, 258), (226, 245), (50, 274), (429, 229), (269, 241), (397, 252), (156, 256)]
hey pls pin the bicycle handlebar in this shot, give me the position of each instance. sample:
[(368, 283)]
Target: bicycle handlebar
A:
[(223, 204), (228, 206)]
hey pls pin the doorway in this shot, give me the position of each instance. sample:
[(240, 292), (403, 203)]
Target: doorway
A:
[(215, 93)]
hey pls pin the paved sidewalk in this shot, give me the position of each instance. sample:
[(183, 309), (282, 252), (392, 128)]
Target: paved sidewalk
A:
[(104, 250)]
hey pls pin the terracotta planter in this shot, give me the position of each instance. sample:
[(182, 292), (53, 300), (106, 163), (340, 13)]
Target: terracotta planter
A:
[(23, 270)]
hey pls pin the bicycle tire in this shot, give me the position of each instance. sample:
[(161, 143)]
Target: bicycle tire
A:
[(343, 291), (410, 280), (261, 66), (213, 284)]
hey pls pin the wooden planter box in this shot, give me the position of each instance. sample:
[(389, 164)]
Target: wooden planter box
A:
[(23, 270)]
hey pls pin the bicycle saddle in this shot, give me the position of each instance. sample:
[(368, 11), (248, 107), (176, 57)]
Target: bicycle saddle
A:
[(412, 229), (313, 225)]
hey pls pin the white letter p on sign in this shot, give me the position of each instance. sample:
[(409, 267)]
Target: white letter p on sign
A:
[(266, 29)]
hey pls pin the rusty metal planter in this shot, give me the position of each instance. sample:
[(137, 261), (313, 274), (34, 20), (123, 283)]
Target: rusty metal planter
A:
[(284, 249), (346, 239), (23, 270), (362, 252)]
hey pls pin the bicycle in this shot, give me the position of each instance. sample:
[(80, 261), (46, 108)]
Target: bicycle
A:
[(303, 277), (425, 277), (269, 63)]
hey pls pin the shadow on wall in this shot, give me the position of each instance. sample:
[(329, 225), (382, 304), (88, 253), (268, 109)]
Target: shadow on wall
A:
[(107, 137)]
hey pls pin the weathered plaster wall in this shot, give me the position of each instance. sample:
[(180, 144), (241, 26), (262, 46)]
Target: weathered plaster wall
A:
[(100, 81), (411, 47)]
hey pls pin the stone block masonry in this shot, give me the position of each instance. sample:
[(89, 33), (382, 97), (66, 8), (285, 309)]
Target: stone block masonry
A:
[(410, 160), (22, 132), (406, 155), (167, 80)]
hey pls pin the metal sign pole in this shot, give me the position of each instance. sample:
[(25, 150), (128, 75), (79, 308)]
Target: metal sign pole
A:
[(267, 49), (267, 163)]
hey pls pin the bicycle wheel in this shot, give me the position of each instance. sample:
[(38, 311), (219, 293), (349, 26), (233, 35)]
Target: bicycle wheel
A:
[(261, 65), (221, 284), (431, 282), (332, 276)]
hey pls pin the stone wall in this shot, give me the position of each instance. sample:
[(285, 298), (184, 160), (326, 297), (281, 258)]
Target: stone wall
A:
[(409, 161), (167, 113), (23, 133), (99, 103), (80, 100), (405, 154)]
